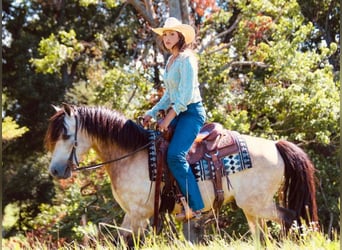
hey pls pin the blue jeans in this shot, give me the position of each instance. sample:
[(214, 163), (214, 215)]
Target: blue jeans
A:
[(186, 127)]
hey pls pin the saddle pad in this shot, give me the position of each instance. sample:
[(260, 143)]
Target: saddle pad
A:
[(233, 163), (152, 154)]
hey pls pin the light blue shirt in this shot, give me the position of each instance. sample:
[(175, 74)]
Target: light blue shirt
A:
[(181, 85)]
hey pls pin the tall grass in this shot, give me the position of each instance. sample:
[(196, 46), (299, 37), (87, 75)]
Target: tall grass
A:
[(104, 237)]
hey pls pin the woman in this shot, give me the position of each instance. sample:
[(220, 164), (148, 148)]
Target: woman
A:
[(183, 103)]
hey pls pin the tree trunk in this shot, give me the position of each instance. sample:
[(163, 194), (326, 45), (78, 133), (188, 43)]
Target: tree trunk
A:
[(185, 11), (175, 9)]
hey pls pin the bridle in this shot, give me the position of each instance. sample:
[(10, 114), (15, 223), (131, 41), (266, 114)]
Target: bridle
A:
[(73, 150), (73, 156)]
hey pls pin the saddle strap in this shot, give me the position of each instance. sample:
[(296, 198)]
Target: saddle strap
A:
[(219, 193), (162, 148)]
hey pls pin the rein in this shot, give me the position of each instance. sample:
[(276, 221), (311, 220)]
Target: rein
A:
[(76, 167)]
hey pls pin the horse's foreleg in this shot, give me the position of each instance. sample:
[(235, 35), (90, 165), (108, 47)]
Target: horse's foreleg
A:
[(132, 228), (125, 228), (132, 225)]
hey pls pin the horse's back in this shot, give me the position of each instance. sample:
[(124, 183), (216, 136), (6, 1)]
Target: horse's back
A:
[(263, 152), (257, 185)]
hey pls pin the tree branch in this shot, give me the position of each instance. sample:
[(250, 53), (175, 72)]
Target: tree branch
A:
[(245, 64), (231, 28), (248, 63), (150, 9), (219, 48), (141, 8)]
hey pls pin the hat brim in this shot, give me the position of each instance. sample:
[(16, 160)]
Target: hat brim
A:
[(186, 30)]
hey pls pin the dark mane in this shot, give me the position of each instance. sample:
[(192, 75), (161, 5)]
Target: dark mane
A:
[(54, 130), (103, 124), (111, 126)]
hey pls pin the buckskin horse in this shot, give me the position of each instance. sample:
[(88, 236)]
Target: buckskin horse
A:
[(73, 130)]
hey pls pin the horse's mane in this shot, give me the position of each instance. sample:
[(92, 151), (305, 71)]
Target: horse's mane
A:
[(106, 125)]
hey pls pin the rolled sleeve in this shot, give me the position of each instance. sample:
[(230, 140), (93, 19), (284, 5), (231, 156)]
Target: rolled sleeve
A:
[(162, 104)]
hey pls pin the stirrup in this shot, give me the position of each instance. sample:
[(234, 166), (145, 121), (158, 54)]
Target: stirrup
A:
[(187, 213), (188, 216)]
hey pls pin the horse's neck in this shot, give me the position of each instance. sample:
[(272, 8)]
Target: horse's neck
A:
[(134, 164), (108, 152)]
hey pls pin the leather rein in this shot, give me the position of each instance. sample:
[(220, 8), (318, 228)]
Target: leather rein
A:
[(73, 156)]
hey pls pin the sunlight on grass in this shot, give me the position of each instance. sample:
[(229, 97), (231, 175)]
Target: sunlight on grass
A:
[(105, 237)]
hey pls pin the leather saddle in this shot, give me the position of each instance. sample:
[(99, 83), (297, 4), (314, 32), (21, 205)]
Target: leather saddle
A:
[(212, 139), (212, 143)]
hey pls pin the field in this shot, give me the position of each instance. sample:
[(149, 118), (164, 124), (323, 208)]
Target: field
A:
[(94, 240)]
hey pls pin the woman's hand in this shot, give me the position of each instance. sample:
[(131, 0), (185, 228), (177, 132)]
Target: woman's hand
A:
[(164, 124), (147, 120)]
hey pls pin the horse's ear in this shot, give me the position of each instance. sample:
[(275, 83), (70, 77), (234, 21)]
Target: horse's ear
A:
[(67, 108), (56, 108)]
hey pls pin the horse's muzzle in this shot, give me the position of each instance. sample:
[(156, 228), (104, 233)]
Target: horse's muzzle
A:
[(61, 173)]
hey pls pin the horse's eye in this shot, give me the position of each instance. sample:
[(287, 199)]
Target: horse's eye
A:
[(66, 136)]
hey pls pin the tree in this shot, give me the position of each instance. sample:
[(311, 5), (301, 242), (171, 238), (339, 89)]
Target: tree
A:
[(27, 23), (10, 129), (326, 18), (264, 70)]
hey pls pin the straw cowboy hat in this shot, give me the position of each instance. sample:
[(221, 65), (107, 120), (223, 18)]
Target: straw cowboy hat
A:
[(174, 24)]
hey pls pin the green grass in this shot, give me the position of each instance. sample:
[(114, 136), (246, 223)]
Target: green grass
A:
[(94, 239), (316, 242)]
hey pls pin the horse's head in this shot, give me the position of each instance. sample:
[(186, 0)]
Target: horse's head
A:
[(65, 140), (72, 131)]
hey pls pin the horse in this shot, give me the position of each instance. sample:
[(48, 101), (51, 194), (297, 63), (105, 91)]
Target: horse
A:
[(278, 167)]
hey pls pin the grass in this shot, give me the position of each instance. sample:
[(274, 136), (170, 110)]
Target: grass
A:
[(103, 240)]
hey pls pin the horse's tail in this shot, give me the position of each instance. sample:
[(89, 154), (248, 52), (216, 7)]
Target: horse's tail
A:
[(299, 190)]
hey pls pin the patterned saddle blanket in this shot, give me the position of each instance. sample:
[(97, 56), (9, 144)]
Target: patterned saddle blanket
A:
[(229, 147)]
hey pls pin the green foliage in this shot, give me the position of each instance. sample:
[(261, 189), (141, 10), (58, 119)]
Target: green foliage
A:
[(328, 181), (57, 52), (108, 3), (214, 79), (274, 74), (289, 97), (11, 216), (11, 130), (123, 90), (269, 84), (26, 197), (84, 198)]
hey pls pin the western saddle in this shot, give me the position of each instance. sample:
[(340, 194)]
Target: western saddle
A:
[(212, 143)]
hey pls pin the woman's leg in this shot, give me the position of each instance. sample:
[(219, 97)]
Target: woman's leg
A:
[(188, 125)]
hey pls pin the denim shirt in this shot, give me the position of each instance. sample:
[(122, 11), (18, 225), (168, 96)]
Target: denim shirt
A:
[(181, 85)]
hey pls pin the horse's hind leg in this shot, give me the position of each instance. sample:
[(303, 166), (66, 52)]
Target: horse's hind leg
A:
[(276, 213), (255, 208), (287, 216), (271, 212)]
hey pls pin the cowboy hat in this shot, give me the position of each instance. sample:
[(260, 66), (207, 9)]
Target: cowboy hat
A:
[(174, 24)]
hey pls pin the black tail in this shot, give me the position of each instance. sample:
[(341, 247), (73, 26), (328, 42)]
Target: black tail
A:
[(299, 190)]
